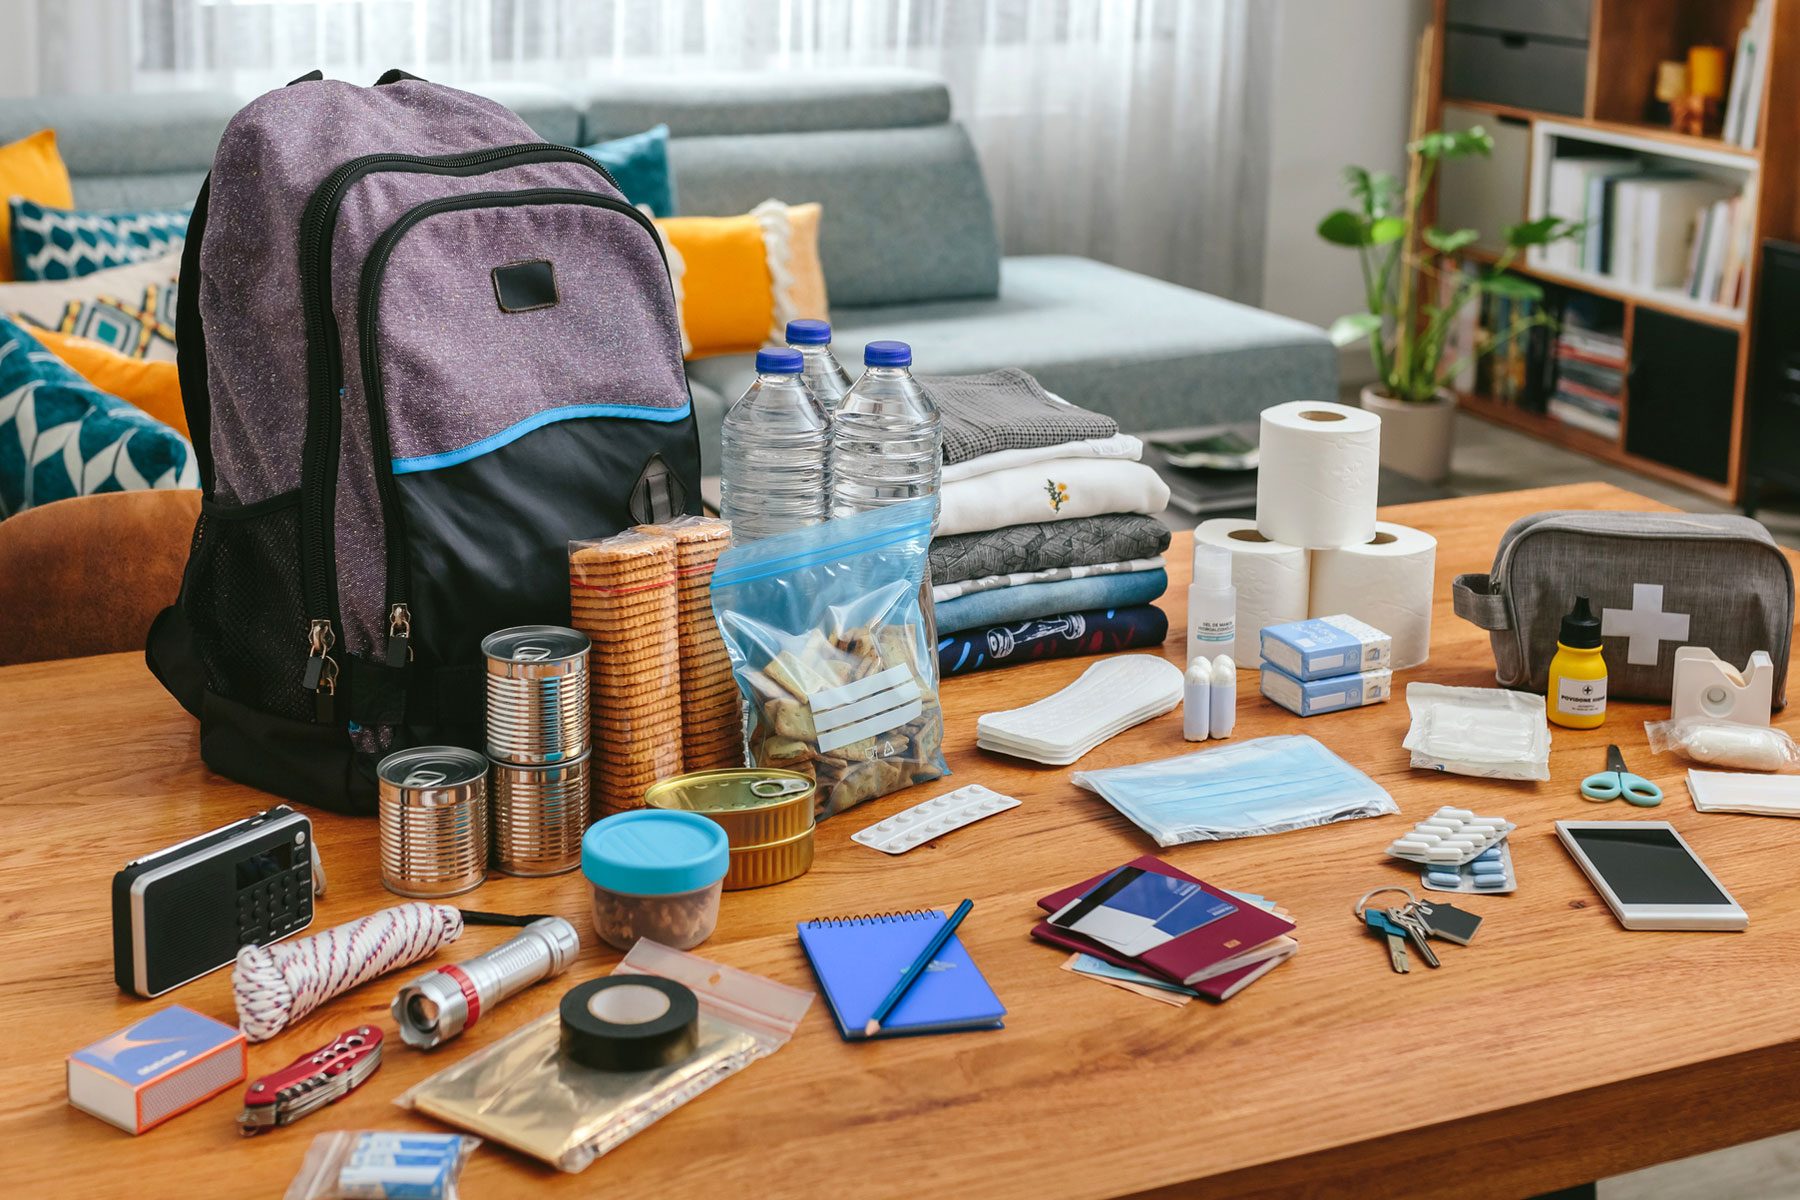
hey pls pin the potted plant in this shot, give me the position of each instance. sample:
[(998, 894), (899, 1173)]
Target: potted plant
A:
[(1415, 288)]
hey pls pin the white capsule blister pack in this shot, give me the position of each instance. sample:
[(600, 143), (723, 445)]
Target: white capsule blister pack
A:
[(1451, 837), (933, 819)]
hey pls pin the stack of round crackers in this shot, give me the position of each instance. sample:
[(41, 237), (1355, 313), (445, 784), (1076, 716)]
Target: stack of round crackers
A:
[(622, 594), (712, 733)]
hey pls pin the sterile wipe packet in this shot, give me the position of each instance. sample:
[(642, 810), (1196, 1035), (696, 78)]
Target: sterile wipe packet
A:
[(1490, 733), (372, 1165), (1265, 785)]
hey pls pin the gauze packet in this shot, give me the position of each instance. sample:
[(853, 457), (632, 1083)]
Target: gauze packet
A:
[(1490, 733)]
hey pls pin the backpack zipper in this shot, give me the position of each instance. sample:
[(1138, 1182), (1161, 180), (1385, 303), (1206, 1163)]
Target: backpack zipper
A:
[(368, 300), (325, 390)]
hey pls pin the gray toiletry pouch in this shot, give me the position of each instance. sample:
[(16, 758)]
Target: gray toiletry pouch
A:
[(1658, 581)]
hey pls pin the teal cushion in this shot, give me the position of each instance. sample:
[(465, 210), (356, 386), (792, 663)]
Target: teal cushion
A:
[(61, 436), (640, 165), (62, 243)]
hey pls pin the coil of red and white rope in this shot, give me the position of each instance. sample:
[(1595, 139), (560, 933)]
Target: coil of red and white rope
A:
[(277, 985)]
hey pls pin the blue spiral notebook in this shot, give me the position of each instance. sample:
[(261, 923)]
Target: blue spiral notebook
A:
[(859, 959)]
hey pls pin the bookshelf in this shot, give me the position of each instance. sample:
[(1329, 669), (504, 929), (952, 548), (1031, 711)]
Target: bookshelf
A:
[(1625, 41)]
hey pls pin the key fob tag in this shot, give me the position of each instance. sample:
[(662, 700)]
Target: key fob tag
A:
[(1448, 921)]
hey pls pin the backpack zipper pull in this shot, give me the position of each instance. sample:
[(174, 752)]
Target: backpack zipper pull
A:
[(325, 697), (321, 668), (399, 644)]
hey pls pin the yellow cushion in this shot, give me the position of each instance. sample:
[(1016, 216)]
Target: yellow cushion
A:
[(31, 169), (740, 280), (154, 387)]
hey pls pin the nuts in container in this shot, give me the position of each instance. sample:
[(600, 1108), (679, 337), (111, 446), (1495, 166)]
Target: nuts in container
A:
[(655, 873)]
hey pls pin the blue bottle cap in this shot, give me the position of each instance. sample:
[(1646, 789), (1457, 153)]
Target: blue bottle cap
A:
[(809, 332), (778, 360), (887, 354), (655, 852)]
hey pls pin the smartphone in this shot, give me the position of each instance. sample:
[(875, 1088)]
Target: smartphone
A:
[(1649, 876)]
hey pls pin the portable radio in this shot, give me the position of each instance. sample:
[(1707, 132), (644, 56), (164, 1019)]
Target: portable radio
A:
[(187, 910)]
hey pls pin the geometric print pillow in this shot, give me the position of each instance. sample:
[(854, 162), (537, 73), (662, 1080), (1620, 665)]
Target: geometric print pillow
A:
[(140, 328), (60, 436), (61, 243)]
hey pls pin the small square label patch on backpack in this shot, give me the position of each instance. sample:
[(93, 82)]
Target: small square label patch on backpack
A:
[(524, 286)]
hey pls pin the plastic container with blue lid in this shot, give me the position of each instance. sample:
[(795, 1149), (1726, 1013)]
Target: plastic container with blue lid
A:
[(655, 873)]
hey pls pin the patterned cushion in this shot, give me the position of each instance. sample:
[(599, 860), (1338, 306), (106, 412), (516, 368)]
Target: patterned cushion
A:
[(61, 243), (131, 308), (60, 436)]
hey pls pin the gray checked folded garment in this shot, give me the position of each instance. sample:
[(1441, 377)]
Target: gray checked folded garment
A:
[(1006, 410), (1079, 542)]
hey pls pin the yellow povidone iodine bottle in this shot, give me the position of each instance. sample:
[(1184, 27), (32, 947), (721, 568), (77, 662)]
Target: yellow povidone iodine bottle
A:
[(1576, 693)]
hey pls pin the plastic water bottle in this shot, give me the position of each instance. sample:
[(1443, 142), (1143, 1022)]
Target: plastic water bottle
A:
[(822, 373), (886, 439), (776, 443)]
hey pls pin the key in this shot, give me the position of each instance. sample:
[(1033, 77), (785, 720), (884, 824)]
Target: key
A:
[(1447, 921), (1381, 923), (1417, 932)]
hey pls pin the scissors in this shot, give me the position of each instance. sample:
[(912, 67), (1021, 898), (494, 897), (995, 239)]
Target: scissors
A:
[(1616, 781)]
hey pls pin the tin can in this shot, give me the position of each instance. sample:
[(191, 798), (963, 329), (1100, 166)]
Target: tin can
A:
[(537, 694), (767, 815), (433, 821), (538, 816)]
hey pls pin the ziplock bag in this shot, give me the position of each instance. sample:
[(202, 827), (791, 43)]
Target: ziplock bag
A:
[(1723, 744), (1265, 785), (1486, 732), (381, 1166), (523, 1092), (831, 648)]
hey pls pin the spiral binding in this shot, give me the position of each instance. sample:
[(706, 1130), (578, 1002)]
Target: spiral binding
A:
[(888, 918)]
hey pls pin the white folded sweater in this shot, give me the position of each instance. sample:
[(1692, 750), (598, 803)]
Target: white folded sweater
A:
[(1059, 490)]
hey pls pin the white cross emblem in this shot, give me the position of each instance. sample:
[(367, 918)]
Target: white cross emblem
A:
[(1645, 624)]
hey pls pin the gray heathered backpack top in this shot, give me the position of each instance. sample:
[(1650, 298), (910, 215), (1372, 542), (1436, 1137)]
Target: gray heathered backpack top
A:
[(420, 350)]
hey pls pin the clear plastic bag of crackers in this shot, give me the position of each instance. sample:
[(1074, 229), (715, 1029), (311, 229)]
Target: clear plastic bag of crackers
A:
[(829, 646)]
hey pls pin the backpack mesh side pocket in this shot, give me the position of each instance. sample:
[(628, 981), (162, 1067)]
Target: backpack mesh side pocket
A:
[(244, 604)]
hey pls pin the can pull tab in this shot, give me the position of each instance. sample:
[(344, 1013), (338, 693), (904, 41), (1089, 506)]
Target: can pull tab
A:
[(399, 643), (774, 789), (321, 669)]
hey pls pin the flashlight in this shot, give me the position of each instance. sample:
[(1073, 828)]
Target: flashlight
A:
[(440, 1004)]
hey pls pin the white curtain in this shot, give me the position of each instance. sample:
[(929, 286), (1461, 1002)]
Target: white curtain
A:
[(1133, 131)]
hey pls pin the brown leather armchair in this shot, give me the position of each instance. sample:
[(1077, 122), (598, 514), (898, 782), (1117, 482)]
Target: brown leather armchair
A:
[(88, 574)]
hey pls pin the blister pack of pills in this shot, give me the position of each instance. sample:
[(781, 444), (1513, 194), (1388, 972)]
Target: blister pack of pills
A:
[(933, 819), (1491, 872), (1451, 837)]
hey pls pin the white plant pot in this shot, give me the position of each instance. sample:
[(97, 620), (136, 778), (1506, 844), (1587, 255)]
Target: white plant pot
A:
[(1415, 438)]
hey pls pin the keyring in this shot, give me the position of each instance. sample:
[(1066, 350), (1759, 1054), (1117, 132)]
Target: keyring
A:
[(1410, 898)]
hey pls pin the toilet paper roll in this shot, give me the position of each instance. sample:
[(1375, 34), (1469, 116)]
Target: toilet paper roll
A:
[(1316, 474), (1386, 581), (1270, 578)]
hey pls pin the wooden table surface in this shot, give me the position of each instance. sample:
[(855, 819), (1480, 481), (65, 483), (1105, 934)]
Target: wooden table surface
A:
[(1558, 1048)]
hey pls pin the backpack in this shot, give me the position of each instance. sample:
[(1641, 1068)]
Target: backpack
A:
[(420, 350)]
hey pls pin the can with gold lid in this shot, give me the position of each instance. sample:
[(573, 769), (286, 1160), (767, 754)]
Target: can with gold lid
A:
[(767, 816)]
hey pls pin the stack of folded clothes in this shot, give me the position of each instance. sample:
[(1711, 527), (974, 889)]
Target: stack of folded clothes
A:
[(1048, 543)]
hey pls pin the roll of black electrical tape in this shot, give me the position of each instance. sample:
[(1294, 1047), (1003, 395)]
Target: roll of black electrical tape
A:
[(629, 1023)]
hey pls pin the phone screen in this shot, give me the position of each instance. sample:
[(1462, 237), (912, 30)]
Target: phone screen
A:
[(1647, 866)]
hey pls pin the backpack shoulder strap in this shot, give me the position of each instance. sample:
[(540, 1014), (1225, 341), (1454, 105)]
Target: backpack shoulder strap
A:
[(190, 342)]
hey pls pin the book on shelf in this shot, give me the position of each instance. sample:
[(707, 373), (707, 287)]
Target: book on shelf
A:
[(1568, 200), (1654, 216), (1749, 78), (1564, 409), (1718, 265)]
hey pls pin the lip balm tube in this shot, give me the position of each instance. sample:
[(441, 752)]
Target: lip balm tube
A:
[(1196, 700), (1224, 696)]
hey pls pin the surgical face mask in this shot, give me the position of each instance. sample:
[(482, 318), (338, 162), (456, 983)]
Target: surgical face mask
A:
[(1487, 732), (1266, 785)]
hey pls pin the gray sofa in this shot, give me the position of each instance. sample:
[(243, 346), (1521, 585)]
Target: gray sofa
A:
[(908, 240)]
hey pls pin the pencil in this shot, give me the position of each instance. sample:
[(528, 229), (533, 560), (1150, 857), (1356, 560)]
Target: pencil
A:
[(872, 1026)]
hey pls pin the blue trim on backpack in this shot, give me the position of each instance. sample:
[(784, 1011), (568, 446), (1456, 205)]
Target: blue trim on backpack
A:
[(512, 433)]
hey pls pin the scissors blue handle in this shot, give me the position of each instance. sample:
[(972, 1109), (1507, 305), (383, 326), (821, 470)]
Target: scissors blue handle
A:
[(1615, 781)]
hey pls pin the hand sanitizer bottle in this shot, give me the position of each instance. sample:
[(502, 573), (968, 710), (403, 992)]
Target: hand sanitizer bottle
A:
[(1211, 604)]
